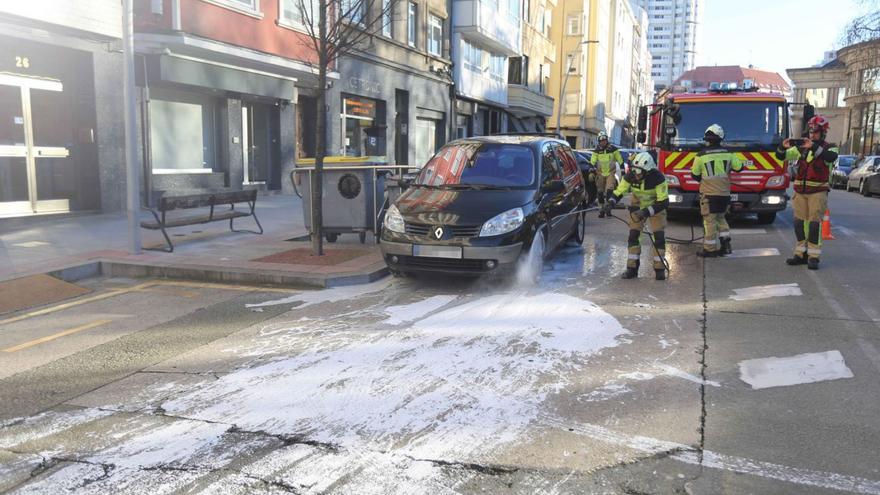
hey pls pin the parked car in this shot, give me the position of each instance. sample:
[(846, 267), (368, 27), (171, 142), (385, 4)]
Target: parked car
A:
[(491, 204), (842, 168), (583, 158), (865, 178)]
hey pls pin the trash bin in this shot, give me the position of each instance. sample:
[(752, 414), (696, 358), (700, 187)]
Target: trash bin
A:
[(353, 194)]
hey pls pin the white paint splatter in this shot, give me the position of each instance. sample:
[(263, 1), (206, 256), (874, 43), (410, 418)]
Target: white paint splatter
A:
[(608, 391), (665, 344), (19, 431), (327, 295), (794, 370), (637, 376), (752, 253), (766, 291), (673, 371), (412, 312)]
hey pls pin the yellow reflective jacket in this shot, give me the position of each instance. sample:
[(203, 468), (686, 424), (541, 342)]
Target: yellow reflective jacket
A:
[(606, 161), (712, 169), (652, 192)]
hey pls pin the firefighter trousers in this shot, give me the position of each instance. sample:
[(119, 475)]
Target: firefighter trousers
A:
[(808, 212), (715, 228), (658, 226), (605, 186)]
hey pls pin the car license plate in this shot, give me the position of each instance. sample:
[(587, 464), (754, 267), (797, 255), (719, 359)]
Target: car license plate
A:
[(734, 197), (452, 252)]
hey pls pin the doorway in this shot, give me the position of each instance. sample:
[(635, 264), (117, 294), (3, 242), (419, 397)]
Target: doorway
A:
[(36, 173), (260, 145)]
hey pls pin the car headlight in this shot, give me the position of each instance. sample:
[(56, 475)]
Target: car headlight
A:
[(776, 180), (394, 220), (503, 223), (672, 180)]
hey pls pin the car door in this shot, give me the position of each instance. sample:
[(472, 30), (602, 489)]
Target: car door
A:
[(873, 178), (852, 182), (552, 203), (574, 183)]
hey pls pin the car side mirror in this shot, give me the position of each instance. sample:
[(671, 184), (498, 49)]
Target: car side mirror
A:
[(554, 186)]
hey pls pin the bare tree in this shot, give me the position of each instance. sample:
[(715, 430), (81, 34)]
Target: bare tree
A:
[(864, 27), (336, 28)]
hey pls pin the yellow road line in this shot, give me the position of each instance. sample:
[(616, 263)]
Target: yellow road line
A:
[(57, 335), (140, 287)]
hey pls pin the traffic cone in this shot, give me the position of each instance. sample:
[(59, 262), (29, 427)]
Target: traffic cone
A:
[(826, 227)]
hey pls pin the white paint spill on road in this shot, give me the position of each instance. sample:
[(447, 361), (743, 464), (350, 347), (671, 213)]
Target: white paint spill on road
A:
[(18, 431), (794, 370), (335, 294), (844, 230), (736, 232), (411, 312), (673, 371), (751, 253), (766, 291)]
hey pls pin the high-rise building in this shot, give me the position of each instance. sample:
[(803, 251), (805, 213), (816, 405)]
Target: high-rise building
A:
[(673, 37)]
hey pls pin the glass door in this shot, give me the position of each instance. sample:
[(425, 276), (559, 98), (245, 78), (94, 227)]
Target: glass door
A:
[(35, 171)]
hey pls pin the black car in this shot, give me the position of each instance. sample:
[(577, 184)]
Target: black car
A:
[(487, 205), (585, 164), (842, 167)]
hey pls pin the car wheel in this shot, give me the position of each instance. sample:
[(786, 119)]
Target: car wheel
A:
[(331, 237), (766, 218), (580, 228), (531, 264), (863, 189)]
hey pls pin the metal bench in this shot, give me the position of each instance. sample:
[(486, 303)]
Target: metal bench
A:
[(204, 200)]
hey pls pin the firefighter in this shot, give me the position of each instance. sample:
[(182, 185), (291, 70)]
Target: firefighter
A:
[(712, 169), (606, 158), (814, 157), (650, 198)]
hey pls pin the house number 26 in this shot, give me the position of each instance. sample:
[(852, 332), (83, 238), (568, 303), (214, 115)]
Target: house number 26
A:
[(22, 62)]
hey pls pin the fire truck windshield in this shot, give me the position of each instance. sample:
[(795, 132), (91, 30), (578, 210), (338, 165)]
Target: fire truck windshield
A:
[(760, 124)]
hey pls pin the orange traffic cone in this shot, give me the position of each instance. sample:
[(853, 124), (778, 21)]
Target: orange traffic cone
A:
[(826, 227)]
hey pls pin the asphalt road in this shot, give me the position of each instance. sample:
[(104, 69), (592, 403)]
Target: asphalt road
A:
[(737, 375)]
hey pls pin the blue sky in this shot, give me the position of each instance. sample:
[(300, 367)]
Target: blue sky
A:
[(771, 34)]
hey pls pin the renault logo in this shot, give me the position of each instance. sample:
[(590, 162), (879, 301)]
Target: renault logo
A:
[(438, 232)]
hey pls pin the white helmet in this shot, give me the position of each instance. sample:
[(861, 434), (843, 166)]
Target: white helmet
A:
[(603, 135), (644, 161), (715, 129)]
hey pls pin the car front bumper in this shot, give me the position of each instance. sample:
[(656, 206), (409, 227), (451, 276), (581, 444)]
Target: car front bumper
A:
[(406, 256), (764, 202)]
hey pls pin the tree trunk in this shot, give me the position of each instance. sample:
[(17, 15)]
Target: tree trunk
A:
[(321, 128)]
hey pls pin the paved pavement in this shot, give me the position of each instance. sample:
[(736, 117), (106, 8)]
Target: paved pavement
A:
[(207, 252), (738, 375)]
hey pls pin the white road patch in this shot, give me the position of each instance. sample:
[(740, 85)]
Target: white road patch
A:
[(673, 371), (794, 370), (736, 232), (766, 291), (327, 295), (17, 432), (752, 253), (637, 376), (457, 384), (412, 312)]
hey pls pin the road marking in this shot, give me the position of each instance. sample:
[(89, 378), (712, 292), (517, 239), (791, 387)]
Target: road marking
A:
[(793, 370), (57, 335), (735, 232), (749, 253), (140, 287), (31, 244), (766, 291)]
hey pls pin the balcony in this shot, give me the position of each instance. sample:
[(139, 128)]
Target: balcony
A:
[(481, 22), (524, 102)]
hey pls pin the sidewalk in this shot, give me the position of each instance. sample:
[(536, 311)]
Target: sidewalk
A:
[(89, 245)]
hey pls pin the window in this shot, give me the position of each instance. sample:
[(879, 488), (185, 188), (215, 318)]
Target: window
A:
[(818, 97), (387, 18), (870, 82), (435, 35), (513, 9), (572, 63), (841, 95), (412, 24), (296, 13), (181, 117), (353, 10), (246, 6), (572, 105), (518, 70), (496, 67), (549, 166), (573, 25), (473, 57)]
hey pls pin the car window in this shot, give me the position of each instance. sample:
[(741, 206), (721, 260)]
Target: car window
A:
[(565, 157), (478, 163), (549, 166)]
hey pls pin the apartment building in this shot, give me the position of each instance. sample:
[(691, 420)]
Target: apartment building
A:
[(61, 107), (486, 33), (529, 100), (620, 72), (393, 96), (673, 37)]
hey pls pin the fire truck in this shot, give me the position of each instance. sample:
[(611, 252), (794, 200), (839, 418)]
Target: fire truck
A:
[(754, 125)]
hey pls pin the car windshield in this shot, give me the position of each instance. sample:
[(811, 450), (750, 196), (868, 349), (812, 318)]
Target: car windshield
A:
[(477, 164), (744, 123), (846, 162)]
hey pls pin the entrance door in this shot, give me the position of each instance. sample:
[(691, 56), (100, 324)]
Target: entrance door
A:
[(259, 143), (426, 133), (35, 169)]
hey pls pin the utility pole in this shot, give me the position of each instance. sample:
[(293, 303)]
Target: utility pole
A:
[(132, 174)]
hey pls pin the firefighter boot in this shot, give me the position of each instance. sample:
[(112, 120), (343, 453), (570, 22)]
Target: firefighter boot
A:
[(797, 260), (725, 246), (813, 263), (630, 273), (602, 212), (707, 254), (660, 274)]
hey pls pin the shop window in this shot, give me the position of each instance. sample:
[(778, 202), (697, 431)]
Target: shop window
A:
[(435, 35), (179, 122), (363, 126)]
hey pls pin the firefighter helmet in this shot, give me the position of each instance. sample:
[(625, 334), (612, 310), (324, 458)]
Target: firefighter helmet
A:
[(644, 162), (819, 122), (603, 136), (713, 132)]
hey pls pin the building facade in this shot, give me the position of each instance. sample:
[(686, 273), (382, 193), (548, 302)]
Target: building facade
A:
[(673, 37), (61, 107), (530, 103), (700, 78), (862, 99), (620, 72), (393, 95), (486, 33), (823, 87)]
